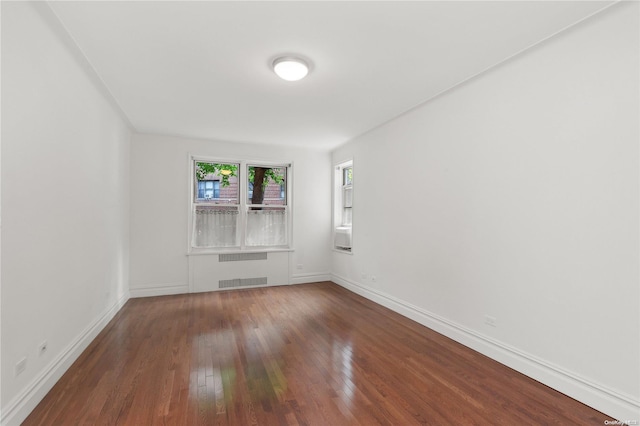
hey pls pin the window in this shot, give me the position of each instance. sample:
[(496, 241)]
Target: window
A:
[(208, 189), (343, 206), (216, 213), (224, 218), (266, 206), (347, 195)]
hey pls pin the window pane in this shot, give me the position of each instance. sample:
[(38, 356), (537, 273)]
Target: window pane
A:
[(215, 226), (347, 175), (266, 227), (217, 182), (267, 185), (347, 217), (347, 197)]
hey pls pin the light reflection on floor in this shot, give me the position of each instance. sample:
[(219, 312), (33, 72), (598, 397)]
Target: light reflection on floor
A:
[(262, 361)]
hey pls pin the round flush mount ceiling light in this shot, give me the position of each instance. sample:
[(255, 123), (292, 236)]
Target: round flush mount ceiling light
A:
[(290, 68)]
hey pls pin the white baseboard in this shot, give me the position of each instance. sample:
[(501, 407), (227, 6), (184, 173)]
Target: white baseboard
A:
[(615, 404), (18, 409), (158, 290), (310, 277), (170, 289)]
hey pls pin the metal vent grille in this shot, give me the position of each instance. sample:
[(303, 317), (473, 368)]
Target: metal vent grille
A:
[(232, 257), (241, 282)]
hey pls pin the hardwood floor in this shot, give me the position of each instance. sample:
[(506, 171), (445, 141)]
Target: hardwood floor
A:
[(313, 354)]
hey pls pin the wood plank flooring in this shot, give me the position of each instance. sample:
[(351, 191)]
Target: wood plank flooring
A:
[(313, 354)]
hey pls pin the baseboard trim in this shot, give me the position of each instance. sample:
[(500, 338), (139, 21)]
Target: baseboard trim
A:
[(158, 291), (170, 289), (310, 277), (615, 404), (21, 406)]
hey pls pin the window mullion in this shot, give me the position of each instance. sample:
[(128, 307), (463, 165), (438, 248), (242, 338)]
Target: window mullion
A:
[(244, 178)]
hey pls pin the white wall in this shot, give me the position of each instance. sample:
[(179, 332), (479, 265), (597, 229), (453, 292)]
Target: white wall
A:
[(65, 180), (160, 190), (519, 197), (516, 195)]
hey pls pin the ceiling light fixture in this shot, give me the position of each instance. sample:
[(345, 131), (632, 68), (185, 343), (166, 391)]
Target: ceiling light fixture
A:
[(290, 68)]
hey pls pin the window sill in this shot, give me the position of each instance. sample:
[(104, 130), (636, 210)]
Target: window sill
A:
[(205, 252), (343, 251)]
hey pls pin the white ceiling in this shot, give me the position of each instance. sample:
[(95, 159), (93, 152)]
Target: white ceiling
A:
[(202, 69)]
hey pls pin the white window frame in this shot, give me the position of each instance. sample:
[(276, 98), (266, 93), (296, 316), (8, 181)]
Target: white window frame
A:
[(243, 205), (339, 191)]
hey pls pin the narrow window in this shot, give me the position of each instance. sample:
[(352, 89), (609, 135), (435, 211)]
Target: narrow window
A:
[(343, 206), (347, 195)]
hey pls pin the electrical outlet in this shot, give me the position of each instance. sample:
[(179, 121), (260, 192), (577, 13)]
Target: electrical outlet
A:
[(21, 366), (373, 278), (42, 348), (299, 266), (491, 321)]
